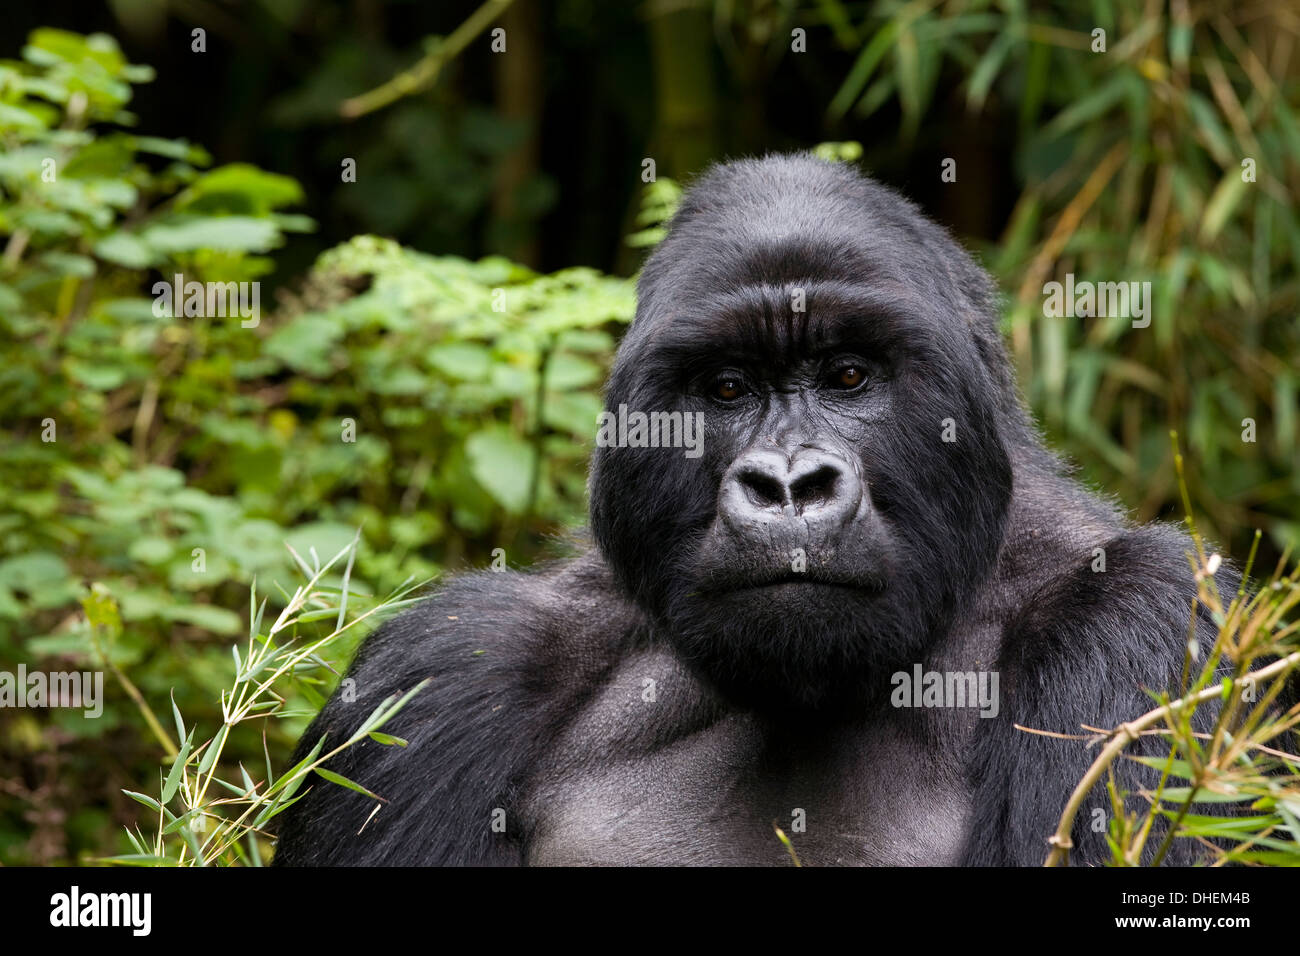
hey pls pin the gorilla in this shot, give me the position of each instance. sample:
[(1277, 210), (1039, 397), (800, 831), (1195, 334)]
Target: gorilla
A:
[(829, 619)]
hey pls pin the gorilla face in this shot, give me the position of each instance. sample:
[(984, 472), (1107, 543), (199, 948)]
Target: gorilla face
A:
[(853, 483)]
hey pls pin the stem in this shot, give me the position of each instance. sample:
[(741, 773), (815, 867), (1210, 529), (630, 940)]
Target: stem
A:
[(1125, 734), (133, 692), (424, 72)]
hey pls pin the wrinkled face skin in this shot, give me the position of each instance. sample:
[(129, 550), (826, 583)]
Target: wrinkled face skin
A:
[(828, 533)]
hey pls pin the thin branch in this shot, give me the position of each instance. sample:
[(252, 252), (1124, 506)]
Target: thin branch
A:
[(423, 74), (1125, 734)]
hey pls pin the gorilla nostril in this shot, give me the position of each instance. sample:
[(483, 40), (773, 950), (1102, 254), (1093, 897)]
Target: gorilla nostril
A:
[(762, 489), (815, 487)]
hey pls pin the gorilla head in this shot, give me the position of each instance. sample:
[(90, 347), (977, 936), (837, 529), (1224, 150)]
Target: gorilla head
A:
[(843, 357)]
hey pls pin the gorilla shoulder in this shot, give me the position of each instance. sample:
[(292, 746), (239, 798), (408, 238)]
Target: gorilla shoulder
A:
[(510, 656), (1135, 583), (1108, 625)]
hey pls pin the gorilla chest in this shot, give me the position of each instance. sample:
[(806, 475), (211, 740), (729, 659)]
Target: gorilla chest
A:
[(632, 783)]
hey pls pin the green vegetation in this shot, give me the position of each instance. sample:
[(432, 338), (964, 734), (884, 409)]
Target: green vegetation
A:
[(441, 406), (1169, 158), (1248, 675), (390, 415)]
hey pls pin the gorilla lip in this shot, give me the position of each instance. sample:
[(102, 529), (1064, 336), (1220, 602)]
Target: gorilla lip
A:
[(802, 584), (806, 578)]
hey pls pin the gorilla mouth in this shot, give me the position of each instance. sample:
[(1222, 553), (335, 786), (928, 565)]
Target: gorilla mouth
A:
[(794, 579)]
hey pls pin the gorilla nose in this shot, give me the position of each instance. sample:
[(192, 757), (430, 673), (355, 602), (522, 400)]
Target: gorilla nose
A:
[(764, 488)]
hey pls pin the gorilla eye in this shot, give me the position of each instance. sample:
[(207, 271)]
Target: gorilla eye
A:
[(850, 376), (728, 388)]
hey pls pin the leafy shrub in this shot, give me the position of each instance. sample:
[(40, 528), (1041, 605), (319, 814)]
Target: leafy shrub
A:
[(442, 406)]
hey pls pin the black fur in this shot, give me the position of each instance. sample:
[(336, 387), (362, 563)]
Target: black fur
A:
[(669, 694)]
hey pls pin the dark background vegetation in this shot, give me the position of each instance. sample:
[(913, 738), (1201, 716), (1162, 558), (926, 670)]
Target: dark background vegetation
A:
[(474, 428), (529, 155)]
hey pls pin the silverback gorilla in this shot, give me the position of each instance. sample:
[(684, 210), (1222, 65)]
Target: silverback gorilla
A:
[(739, 648)]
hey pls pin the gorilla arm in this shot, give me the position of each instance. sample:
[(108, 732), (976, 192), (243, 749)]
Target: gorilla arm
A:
[(491, 646), (1082, 652)]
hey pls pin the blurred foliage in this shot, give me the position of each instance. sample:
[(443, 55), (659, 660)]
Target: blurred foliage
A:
[(441, 405), (1135, 125)]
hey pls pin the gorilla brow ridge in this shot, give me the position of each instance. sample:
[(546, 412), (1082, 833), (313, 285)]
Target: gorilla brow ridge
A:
[(746, 321)]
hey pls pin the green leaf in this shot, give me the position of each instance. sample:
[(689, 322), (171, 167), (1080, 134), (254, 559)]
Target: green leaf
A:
[(69, 264), (177, 770), (142, 859), (124, 249), (1222, 204), (864, 67), (503, 464), (907, 71), (147, 800), (981, 79), (387, 709), (97, 377), (306, 343), (17, 118), (176, 716), (272, 810), (1225, 826), (576, 413), (185, 819), (150, 550), (242, 187), (1207, 125), (218, 620), (566, 372), (1267, 857), (10, 301), (586, 340), (172, 149), (291, 780), (1089, 107), (343, 781), (28, 572), (390, 708), (464, 361), (1180, 795), (102, 611), (210, 755), (228, 233), (1177, 768)]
